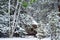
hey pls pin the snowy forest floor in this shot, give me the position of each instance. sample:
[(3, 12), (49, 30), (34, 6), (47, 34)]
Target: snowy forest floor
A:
[(24, 38)]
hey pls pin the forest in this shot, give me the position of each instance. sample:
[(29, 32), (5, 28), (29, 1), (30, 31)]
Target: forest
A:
[(36, 18)]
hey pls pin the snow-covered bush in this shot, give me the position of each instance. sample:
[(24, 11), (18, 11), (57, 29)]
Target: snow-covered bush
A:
[(54, 22)]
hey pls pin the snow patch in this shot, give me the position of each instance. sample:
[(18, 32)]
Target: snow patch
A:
[(18, 39), (49, 38), (24, 39)]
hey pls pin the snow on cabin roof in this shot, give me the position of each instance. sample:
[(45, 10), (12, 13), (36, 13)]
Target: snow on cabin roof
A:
[(27, 19)]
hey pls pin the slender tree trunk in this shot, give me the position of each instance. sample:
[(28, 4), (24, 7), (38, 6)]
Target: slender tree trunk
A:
[(14, 19), (9, 15)]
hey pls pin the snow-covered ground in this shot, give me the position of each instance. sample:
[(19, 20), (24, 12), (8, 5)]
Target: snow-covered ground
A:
[(46, 38), (24, 39)]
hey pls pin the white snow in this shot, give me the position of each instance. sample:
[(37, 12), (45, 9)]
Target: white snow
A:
[(34, 22), (18, 39), (24, 39), (46, 38)]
